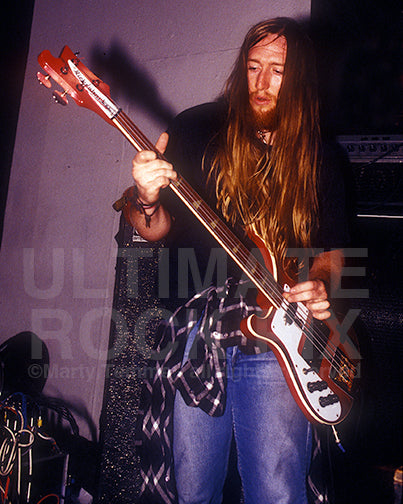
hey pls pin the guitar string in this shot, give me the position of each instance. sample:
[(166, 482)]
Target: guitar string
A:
[(267, 284)]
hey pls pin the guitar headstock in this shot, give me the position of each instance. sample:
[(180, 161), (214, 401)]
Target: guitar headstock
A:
[(78, 82)]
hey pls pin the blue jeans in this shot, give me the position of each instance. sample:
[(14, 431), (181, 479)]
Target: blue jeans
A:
[(272, 436)]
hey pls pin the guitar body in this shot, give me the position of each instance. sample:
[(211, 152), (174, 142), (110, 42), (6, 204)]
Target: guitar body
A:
[(317, 369)]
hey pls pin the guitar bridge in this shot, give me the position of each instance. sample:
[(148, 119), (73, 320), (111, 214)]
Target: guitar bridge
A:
[(343, 371)]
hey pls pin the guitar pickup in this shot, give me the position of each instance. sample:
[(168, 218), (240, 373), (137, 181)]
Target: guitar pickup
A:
[(328, 400), (316, 386), (291, 311)]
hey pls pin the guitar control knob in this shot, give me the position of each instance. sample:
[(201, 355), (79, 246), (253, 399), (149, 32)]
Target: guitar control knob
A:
[(60, 97), (44, 79)]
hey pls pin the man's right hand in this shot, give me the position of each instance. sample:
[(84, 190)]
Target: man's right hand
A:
[(150, 173), (151, 220)]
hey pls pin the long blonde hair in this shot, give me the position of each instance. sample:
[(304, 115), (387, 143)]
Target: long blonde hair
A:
[(274, 191)]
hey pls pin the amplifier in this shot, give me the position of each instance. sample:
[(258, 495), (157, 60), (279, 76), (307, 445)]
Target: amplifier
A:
[(377, 168)]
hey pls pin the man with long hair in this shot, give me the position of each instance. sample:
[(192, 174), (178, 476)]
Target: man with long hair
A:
[(256, 157)]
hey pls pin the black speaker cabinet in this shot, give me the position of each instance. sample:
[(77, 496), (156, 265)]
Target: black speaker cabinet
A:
[(374, 434)]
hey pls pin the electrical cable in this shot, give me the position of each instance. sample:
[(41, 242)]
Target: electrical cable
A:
[(21, 425), (16, 444), (7, 452)]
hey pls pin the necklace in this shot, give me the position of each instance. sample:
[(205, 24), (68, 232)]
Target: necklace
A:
[(261, 134)]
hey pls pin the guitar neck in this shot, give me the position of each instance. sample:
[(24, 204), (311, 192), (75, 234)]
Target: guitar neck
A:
[(248, 263)]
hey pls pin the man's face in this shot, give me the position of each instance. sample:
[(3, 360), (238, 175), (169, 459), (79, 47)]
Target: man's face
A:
[(265, 69)]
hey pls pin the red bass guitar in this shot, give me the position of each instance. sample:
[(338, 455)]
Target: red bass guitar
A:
[(319, 360)]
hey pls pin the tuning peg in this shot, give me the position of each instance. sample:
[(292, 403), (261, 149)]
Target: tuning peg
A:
[(60, 97), (44, 79)]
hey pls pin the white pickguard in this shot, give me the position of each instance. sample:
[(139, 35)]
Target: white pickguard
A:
[(290, 336)]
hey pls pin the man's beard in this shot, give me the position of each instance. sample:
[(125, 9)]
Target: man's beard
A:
[(263, 120)]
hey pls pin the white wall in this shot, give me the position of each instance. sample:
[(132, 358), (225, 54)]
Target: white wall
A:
[(58, 252)]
